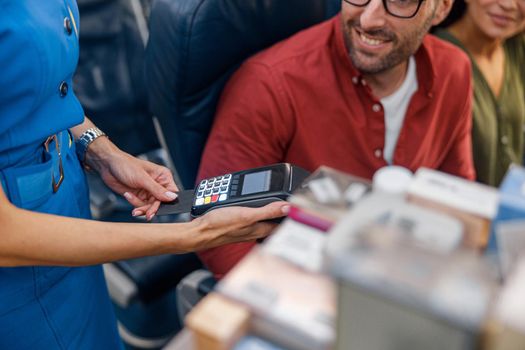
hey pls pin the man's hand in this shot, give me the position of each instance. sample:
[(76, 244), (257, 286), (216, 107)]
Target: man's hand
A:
[(144, 184)]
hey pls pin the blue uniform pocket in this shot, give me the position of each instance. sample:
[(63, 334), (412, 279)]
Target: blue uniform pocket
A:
[(29, 186)]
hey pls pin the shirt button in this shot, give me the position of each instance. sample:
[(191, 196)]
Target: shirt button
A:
[(378, 153), (355, 80), (376, 107), (363, 82), (63, 89), (504, 140), (67, 26)]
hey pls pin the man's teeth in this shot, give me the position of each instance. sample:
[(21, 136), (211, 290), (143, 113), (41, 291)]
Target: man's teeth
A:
[(370, 41)]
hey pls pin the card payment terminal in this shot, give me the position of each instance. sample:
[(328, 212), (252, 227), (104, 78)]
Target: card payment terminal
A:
[(248, 188)]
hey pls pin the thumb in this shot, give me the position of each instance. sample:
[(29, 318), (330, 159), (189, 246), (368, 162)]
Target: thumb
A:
[(271, 211), (158, 191)]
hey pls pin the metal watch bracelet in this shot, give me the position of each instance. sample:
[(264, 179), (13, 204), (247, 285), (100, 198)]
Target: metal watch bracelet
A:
[(85, 140)]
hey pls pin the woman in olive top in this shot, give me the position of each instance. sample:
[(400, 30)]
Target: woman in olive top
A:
[(491, 32)]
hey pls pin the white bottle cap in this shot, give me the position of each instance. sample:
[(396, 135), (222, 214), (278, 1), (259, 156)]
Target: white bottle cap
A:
[(392, 179)]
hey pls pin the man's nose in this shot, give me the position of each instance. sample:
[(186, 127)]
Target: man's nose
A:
[(373, 15)]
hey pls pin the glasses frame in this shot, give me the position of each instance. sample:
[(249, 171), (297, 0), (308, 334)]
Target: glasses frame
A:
[(386, 8)]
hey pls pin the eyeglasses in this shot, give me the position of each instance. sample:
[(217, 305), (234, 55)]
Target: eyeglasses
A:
[(396, 8)]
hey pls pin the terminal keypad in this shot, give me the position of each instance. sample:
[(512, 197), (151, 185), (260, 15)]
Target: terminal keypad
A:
[(215, 189)]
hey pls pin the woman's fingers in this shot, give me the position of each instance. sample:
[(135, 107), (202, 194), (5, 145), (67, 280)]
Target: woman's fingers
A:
[(142, 210), (134, 200), (152, 210), (271, 211), (165, 178), (149, 210)]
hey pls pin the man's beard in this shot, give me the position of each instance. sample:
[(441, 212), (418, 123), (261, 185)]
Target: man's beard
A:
[(401, 51)]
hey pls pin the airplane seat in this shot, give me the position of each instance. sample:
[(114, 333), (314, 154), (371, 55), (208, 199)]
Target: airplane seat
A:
[(193, 49), (110, 85)]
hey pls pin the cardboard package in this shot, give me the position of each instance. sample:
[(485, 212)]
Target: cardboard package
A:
[(217, 323), (300, 244), (293, 307), (421, 226), (507, 238), (472, 203), (325, 196), (508, 326), (394, 294), (251, 342)]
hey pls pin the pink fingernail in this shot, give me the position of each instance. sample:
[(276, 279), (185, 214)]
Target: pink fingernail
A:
[(136, 213), (127, 195), (285, 209), (170, 195)]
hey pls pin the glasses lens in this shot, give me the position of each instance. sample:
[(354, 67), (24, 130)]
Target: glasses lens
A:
[(402, 8)]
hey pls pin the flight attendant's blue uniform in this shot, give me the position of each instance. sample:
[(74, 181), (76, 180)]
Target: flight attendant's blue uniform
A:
[(45, 307)]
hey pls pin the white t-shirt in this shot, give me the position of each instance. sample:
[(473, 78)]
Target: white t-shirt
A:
[(395, 107)]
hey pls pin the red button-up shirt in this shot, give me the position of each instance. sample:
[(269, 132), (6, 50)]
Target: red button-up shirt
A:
[(302, 101)]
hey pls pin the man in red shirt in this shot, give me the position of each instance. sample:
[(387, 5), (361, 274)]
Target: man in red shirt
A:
[(362, 90)]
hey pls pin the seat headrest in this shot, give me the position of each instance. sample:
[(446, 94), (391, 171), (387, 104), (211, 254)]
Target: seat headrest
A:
[(194, 47)]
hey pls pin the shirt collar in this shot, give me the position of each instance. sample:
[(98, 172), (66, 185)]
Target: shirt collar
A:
[(424, 59)]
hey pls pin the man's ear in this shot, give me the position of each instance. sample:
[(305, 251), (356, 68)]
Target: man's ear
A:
[(442, 11)]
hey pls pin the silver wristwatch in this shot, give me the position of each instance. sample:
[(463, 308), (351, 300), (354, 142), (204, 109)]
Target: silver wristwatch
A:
[(85, 140)]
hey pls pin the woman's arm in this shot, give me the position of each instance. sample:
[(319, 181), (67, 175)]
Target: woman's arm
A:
[(29, 238)]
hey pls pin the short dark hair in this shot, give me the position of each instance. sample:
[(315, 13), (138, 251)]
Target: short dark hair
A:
[(458, 10)]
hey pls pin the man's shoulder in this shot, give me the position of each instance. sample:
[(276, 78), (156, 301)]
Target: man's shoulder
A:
[(310, 41), (446, 57)]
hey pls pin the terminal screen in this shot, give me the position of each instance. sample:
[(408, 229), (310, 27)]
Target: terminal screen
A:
[(256, 182)]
